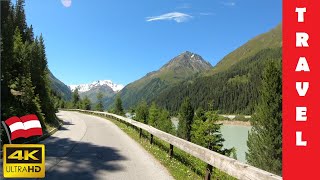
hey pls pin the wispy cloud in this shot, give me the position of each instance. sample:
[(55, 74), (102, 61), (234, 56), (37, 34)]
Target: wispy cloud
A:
[(184, 6), (175, 16), (229, 3)]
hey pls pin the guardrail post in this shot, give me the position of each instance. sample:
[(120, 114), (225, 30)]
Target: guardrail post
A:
[(171, 151), (208, 172), (151, 138), (140, 133)]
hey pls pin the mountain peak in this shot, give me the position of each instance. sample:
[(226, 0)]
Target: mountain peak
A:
[(189, 54), (188, 60)]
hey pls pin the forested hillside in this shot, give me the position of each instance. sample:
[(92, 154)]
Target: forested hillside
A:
[(232, 85), (176, 70), (25, 83), (60, 88), (235, 90)]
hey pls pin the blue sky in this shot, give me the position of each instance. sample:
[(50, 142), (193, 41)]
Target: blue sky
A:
[(123, 40)]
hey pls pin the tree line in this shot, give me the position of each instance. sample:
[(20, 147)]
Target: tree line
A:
[(25, 85), (201, 126), (84, 103)]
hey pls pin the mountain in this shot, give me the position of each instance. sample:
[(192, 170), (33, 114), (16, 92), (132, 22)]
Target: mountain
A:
[(59, 87), (271, 39), (97, 84), (106, 87), (232, 86), (182, 67)]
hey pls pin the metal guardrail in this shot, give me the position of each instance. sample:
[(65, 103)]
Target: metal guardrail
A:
[(226, 164)]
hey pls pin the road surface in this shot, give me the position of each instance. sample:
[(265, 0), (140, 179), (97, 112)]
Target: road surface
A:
[(90, 147)]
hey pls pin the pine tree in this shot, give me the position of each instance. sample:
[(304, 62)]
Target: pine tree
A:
[(40, 79), (27, 101), (153, 115), (99, 105), (29, 34), (75, 99), (142, 112), (206, 132), (86, 103), (7, 32), (186, 114), (265, 139), (164, 122), (20, 18), (62, 104), (118, 106)]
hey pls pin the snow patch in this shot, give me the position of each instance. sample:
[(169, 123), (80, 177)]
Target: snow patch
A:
[(87, 87)]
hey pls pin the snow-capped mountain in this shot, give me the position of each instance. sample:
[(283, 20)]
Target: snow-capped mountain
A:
[(96, 84)]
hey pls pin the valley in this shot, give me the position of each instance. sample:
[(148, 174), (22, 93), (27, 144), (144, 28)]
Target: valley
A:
[(183, 105), (106, 87)]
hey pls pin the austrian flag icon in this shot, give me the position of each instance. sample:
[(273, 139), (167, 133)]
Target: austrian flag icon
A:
[(25, 126)]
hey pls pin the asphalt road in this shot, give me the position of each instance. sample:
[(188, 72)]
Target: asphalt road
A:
[(90, 147)]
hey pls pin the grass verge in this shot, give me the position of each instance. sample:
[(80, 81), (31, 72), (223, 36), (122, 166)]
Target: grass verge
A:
[(182, 166)]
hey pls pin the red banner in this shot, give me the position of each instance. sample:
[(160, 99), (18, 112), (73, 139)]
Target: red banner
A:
[(301, 89)]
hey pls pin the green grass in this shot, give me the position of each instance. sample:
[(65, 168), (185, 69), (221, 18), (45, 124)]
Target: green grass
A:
[(182, 166)]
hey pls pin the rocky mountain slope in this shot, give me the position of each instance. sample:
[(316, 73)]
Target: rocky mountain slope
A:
[(179, 68), (106, 87)]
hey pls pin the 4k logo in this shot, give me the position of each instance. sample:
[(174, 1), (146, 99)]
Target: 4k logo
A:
[(24, 160), (19, 155)]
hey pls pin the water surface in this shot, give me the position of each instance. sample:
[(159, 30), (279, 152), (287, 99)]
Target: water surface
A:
[(236, 136)]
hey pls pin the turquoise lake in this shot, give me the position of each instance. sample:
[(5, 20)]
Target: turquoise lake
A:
[(236, 136)]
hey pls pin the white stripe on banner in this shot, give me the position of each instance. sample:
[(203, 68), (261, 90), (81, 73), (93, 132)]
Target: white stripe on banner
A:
[(25, 126), (16, 126), (32, 124)]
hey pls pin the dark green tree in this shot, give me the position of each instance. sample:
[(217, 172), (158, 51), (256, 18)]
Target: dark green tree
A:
[(206, 132), (86, 103), (7, 32), (200, 114), (164, 122), (20, 18), (75, 99), (99, 105), (24, 101), (40, 78), (118, 106), (265, 139), (186, 114), (62, 104), (153, 115), (142, 112)]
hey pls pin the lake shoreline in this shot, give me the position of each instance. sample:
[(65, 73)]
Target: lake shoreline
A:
[(237, 123)]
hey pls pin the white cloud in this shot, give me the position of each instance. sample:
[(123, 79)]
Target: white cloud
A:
[(229, 3), (175, 16)]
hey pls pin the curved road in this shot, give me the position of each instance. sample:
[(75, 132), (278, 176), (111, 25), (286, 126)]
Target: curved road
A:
[(90, 147)]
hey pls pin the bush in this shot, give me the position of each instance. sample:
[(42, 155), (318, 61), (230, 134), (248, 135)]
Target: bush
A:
[(240, 118), (223, 118)]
